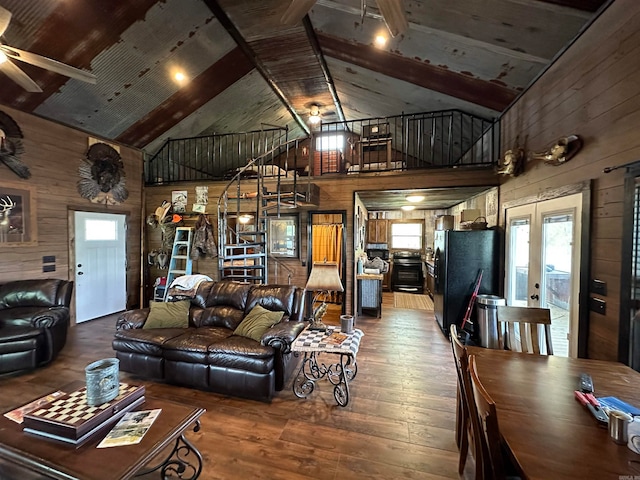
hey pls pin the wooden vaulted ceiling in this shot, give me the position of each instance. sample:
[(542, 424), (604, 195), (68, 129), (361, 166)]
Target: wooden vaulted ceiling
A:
[(247, 70)]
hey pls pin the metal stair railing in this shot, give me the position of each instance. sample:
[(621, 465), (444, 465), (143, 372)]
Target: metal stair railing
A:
[(261, 208)]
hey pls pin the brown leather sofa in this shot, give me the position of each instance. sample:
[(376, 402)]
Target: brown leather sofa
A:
[(34, 320), (207, 355)]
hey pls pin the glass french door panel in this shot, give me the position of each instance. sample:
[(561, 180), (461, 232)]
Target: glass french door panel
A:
[(518, 274), (555, 289)]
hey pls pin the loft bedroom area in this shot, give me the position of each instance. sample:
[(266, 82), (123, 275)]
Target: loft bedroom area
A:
[(430, 140)]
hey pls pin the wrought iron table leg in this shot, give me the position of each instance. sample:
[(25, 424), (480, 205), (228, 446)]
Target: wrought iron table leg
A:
[(176, 464), (341, 389)]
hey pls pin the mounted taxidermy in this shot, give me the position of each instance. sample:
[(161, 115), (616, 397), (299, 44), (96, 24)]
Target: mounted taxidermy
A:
[(11, 146), (561, 152), (102, 176)]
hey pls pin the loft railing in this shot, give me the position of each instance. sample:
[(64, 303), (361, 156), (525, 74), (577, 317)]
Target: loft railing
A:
[(211, 157), (449, 138)]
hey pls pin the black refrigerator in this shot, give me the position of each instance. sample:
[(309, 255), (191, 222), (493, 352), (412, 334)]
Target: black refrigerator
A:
[(459, 256)]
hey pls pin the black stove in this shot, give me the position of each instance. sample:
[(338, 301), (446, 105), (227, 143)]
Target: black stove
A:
[(406, 273)]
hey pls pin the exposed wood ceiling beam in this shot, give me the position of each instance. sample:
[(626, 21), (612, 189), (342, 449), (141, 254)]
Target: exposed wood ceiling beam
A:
[(58, 36), (488, 94), (226, 22), (586, 5), (213, 81), (315, 45)]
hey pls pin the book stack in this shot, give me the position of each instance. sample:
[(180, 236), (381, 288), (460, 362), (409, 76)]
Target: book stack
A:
[(70, 419)]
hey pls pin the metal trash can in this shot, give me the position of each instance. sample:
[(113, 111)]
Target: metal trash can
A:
[(487, 321)]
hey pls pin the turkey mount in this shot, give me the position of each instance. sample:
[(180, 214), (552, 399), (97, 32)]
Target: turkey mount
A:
[(11, 146), (102, 176)]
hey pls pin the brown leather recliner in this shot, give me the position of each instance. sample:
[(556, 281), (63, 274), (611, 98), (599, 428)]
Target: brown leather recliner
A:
[(34, 320), (207, 355)]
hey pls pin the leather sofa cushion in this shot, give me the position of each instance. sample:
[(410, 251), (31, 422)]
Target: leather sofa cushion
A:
[(193, 346), (19, 316), (274, 298), (225, 316), (233, 294), (18, 333), (241, 353), (34, 293), (147, 342)]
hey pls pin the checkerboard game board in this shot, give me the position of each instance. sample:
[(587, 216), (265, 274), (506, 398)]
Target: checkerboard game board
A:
[(315, 341), (70, 417)]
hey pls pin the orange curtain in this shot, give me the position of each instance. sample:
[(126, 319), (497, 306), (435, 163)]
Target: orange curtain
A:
[(327, 243)]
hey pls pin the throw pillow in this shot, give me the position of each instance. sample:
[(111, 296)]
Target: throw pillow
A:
[(257, 321), (168, 315)]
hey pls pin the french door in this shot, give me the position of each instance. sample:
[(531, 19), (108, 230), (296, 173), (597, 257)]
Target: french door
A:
[(542, 264)]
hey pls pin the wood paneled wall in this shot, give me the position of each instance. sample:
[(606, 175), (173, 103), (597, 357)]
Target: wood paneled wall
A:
[(53, 153), (592, 91), (336, 193)]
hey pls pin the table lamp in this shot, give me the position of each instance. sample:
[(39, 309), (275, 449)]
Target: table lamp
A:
[(324, 279)]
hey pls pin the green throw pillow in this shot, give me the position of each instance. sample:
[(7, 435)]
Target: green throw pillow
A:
[(258, 321), (168, 315)]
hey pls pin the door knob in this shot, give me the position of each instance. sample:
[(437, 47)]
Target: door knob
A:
[(535, 297)]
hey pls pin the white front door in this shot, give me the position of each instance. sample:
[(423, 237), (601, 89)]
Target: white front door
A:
[(542, 266), (100, 269)]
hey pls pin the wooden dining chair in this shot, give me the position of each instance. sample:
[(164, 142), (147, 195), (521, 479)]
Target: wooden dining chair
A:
[(466, 416), (485, 409), (523, 327)]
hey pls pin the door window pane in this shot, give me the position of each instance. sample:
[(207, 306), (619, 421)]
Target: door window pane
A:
[(519, 264), (101, 230), (555, 291)]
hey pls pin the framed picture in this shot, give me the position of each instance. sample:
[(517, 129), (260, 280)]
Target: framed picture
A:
[(283, 236), (18, 225)]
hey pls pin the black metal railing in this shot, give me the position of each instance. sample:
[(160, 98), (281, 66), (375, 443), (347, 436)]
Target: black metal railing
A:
[(211, 157), (449, 138)]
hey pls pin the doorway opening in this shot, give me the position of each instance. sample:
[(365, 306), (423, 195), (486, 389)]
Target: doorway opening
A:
[(100, 268), (327, 242)]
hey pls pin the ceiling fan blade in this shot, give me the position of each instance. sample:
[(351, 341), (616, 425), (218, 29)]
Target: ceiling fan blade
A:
[(18, 76), (296, 11), (5, 18), (48, 64)]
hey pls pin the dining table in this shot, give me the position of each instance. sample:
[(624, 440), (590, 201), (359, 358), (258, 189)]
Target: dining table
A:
[(548, 433)]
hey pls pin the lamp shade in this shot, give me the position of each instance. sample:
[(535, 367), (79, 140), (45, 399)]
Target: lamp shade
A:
[(324, 277)]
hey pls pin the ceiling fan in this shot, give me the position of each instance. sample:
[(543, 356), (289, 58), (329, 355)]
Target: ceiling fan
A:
[(7, 54), (392, 12)]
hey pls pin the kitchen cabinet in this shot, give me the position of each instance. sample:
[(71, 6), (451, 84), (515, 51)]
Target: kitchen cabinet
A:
[(377, 231), (431, 279)]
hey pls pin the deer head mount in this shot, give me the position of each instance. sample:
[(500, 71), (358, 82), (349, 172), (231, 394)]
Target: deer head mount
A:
[(512, 163), (560, 152)]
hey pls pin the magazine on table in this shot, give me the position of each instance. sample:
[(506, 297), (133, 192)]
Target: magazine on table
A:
[(130, 429), (17, 415)]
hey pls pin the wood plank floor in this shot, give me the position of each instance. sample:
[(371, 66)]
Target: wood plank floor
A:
[(399, 423)]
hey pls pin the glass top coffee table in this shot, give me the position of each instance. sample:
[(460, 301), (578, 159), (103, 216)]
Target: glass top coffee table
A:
[(313, 343)]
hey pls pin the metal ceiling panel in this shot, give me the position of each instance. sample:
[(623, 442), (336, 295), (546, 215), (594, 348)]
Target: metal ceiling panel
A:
[(367, 94), (248, 105), (135, 73), (435, 198)]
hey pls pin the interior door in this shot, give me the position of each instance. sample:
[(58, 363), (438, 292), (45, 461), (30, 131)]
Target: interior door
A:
[(542, 264), (100, 270)]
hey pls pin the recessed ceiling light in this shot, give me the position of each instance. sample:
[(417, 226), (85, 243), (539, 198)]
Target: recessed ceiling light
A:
[(408, 208), (414, 198), (380, 40), (179, 77)]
